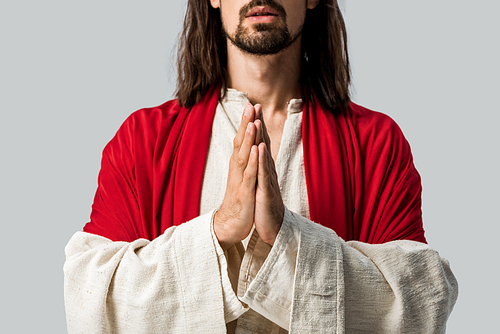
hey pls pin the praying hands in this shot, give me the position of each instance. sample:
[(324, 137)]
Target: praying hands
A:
[(252, 193)]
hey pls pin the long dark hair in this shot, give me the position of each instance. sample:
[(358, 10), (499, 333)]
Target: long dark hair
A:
[(325, 76)]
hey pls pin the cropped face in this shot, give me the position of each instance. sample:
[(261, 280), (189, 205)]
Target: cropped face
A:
[(263, 27)]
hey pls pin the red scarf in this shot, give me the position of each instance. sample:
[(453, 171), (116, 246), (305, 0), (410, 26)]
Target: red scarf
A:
[(360, 177)]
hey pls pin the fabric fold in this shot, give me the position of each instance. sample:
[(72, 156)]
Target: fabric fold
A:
[(267, 273), (165, 285), (233, 308)]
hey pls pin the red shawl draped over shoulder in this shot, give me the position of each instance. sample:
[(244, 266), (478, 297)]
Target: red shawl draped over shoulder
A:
[(360, 176)]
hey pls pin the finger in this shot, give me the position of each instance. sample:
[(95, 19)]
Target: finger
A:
[(258, 136), (267, 179), (260, 116), (258, 111), (250, 174), (247, 117), (244, 152), (263, 173)]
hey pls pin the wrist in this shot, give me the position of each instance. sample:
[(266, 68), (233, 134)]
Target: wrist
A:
[(222, 235), (271, 235), (272, 231)]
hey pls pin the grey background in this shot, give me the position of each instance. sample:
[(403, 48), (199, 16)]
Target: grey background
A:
[(71, 72)]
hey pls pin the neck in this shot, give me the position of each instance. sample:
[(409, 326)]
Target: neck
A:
[(270, 80)]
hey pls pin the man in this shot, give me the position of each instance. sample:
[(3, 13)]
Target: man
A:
[(259, 82)]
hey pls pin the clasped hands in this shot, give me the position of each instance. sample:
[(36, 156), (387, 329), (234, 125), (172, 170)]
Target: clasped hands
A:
[(252, 195)]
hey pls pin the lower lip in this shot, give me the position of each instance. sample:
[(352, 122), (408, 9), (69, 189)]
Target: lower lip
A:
[(262, 19)]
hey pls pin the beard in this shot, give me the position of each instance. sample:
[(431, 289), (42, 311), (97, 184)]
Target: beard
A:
[(267, 38)]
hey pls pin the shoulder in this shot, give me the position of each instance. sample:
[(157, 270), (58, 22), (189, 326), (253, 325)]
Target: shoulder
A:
[(374, 129), (149, 121), (153, 116), (143, 127), (370, 121)]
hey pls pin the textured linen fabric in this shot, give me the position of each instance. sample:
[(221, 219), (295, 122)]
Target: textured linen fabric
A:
[(173, 284), (176, 283), (398, 287), (145, 286)]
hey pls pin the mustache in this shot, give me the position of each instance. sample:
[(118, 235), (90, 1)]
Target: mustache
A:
[(269, 3)]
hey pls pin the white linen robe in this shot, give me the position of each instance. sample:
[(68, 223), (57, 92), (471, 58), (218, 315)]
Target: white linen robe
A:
[(310, 281)]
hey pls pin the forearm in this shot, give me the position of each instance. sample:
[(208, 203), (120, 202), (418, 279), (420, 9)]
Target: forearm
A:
[(267, 273), (399, 286), (144, 286), (229, 266), (396, 287)]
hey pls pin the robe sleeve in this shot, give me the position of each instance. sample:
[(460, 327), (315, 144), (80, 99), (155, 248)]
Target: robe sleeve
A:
[(229, 266), (171, 284), (312, 281)]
